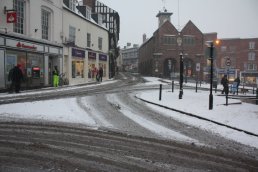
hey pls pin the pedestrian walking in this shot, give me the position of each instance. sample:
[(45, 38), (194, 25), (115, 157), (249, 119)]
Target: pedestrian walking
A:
[(55, 77), (224, 82), (16, 76), (237, 80), (100, 74)]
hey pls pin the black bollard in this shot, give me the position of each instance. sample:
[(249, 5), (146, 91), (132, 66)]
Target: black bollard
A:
[(226, 99), (257, 96), (196, 86), (160, 91), (172, 86)]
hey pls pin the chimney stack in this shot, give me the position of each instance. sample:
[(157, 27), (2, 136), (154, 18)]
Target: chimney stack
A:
[(89, 3), (144, 38)]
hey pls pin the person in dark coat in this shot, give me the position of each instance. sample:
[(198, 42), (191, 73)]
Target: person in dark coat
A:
[(237, 80), (224, 82), (100, 74), (16, 78)]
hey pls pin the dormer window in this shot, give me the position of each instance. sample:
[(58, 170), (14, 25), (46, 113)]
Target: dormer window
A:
[(88, 13), (72, 4)]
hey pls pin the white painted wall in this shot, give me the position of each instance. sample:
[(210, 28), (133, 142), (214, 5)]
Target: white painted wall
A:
[(83, 27), (3, 24), (33, 18)]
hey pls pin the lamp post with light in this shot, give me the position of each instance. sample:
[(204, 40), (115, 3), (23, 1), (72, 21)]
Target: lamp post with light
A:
[(179, 43), (211, 72), (181, 76)]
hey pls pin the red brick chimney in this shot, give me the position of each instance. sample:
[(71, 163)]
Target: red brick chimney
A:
[(89, 3)]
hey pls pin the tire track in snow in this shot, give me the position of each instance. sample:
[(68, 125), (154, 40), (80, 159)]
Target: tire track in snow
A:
[(91, 110), (150, 125)]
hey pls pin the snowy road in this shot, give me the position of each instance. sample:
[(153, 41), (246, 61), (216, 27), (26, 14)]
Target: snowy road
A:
[(106, 128)]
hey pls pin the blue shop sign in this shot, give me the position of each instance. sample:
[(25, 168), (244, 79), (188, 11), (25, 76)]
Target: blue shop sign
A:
[(102, 57), (78, 53), (92, 55)]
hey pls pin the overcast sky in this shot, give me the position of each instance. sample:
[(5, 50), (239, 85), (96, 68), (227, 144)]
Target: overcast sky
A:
[(229, 18)]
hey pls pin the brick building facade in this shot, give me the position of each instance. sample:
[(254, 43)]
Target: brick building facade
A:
[(238, 57), (159, 56)]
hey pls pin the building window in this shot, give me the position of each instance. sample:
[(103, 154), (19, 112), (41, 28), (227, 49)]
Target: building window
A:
[(72, 31), (72, 4), (45, 24), (251, 56), (189, 40), (88, 13), (251, 66), (251, 45), (88, 40), (100, 43), (19, 6), (169, 40)]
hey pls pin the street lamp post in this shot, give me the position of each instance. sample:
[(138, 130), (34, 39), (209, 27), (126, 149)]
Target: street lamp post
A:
[(179, 43), (181, 76), (211, 77)]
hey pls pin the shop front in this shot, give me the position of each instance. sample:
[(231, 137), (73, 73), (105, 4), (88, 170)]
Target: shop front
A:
[(35, 60), (249, 78), (78, 66)]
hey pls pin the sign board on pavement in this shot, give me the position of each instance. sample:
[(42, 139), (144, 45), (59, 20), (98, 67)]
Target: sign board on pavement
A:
[(198, 67)]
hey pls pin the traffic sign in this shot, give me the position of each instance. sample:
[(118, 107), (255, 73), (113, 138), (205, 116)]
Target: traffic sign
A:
[(198, 67), (228, 62)]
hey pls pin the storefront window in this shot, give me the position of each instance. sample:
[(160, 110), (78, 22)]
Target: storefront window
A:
[(32, 66), (92, 70), (13, 58), (77, 69)]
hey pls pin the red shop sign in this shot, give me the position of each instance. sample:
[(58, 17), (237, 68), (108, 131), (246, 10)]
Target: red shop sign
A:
[(22, 45), (11, 17)]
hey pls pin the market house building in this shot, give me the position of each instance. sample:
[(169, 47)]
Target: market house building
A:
[(159, 55), (31, 40)]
